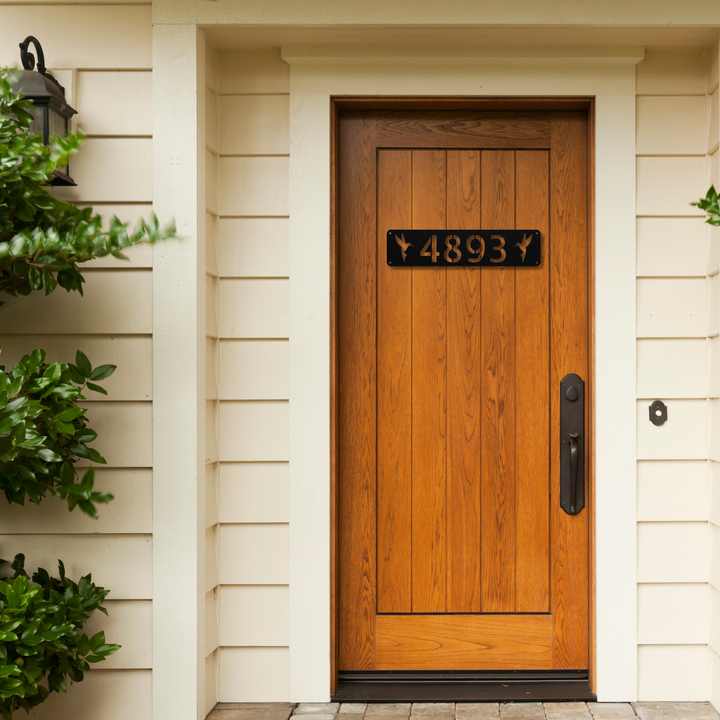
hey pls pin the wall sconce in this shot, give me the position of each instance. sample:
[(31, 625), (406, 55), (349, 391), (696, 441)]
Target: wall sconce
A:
[(51, 113)]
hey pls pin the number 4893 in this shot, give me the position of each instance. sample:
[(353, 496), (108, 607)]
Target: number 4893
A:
[(475, 246)]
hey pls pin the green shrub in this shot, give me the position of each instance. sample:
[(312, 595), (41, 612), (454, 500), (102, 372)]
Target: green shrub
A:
[(43, 432), (41, 645)]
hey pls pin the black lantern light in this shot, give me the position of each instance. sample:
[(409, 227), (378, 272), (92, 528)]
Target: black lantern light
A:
[(51, 113)]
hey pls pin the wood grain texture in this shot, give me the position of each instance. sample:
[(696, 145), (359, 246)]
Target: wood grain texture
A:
[(429, 400), (532, 377), (498, 374), (394, 359), (416, 129), (357, 393), (464, 393), (465, 366), (569, 353), (462, 642)]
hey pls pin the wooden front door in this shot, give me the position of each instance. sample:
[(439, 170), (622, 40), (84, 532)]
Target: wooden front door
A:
[(453, 550)]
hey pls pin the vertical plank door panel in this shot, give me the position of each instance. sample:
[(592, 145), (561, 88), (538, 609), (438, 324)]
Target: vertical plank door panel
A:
[(464, 401), (394, 430), (532, 378), (357, 393), (498, 374), (429, 357), (569, 354)]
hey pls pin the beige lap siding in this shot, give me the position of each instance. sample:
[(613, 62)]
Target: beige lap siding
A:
[(676, 353), (251, 105), (212, 535), (102, 53), (713, 163)]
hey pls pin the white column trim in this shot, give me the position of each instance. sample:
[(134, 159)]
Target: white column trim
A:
[(179, 375), (313, 81)]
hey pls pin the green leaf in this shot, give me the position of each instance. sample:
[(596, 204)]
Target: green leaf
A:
[(97, 388), (48, 455), (102, 372), (83, 364)]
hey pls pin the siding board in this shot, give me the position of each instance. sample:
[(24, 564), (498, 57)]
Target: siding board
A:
[(658, 242), (254, 247), (672, 73), (254, 125), (254, 674), (253, 72), (671, 307), (129, 513), (124, 432), (671, 125), (132, 354), (682, 437), (254, 492), (111, 170), (106, 694), (80, 36), (672, 490), (671, 368), (211, 557), (211, 622), (253, 431), (254, 186), (255, 615), (122, 563), (672, 552), (254, 308), (254, 554), (667, 185), (128, 623), (115, 103), (114, 303), (672, 673), (672, 614), (255, 369)]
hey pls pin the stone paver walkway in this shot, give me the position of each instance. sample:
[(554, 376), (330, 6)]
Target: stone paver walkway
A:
[(466, 711)]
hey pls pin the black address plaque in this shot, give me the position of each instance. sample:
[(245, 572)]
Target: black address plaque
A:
[(468, 248)]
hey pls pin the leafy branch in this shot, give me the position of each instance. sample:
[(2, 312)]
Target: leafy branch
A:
[(710, 205), (43, 432), (43, 238)]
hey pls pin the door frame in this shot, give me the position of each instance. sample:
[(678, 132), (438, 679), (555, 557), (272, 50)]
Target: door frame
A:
[(317, 75), (337, 105)]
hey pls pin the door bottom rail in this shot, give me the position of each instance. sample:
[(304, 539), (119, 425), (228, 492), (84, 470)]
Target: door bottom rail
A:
[(462, 686)]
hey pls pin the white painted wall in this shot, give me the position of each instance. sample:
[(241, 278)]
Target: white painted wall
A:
[(113, 323)]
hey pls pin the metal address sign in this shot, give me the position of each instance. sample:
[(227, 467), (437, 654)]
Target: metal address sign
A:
[(468, 248)]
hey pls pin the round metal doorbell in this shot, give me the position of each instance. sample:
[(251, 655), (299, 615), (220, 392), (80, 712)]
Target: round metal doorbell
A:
[(658, 413)]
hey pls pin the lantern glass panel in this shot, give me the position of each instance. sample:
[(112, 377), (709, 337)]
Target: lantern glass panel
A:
[(58, 124), (36, 126)]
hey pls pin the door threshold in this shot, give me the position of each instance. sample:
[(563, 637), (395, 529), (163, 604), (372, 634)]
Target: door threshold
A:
[(462, 687)]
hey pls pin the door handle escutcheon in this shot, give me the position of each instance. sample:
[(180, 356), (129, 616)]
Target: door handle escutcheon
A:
[(572, 442)]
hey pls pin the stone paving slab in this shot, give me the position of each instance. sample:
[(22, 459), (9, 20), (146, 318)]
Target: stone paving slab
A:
[(605, 710), (353, 708), (477, 711), (466, 711), (528, 710), (684, 710)]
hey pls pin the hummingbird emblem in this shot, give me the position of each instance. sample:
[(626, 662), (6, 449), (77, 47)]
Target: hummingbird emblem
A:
[(524, 244), (403, 245)]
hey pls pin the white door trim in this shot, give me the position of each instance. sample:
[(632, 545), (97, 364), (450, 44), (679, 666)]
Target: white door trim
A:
[(315, 77)]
